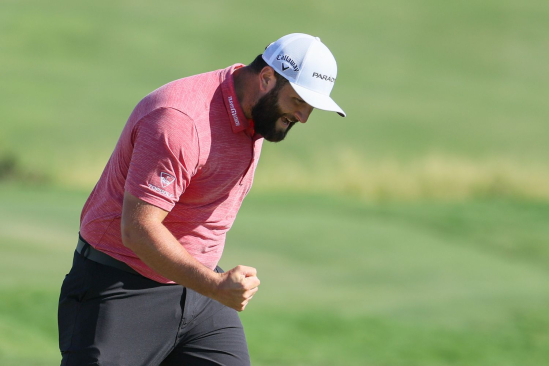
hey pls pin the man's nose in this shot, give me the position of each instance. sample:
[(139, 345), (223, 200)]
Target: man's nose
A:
[(303, 114)]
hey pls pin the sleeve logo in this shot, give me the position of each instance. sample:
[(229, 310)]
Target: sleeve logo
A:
[(166, 179)]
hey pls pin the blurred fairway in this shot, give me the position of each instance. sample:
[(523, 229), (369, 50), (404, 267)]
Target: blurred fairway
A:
[(436, 94), (412, 232), (343, 283)]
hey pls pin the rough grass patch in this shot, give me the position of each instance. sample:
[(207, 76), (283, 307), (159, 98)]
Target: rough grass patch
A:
[(434, 176)]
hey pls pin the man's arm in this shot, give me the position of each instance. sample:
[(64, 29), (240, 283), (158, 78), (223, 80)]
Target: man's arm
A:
[(144, 233)]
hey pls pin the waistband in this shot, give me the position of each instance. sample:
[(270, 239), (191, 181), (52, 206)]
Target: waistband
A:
[(89, 252)]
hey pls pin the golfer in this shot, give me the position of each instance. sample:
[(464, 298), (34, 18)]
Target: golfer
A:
[(145, 288)]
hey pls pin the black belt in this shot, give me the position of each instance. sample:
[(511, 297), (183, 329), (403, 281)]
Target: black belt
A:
[(87, 251)]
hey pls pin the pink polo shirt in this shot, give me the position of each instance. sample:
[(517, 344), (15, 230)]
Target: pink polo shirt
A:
[(187, 148)]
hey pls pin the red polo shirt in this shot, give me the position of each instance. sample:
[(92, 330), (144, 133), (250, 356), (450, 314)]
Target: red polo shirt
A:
[(187, 148)]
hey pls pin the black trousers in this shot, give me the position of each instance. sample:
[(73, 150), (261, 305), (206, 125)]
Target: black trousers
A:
[(110, 317)]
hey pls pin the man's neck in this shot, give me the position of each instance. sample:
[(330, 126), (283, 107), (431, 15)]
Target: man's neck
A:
[(243, 86)]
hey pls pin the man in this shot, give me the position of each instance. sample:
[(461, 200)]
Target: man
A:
[(145, 288)]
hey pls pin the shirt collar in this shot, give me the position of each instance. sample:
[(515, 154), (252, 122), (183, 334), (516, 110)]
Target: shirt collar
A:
[(238, 120)]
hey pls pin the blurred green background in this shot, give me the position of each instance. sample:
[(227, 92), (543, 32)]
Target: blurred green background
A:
[(413, 232)]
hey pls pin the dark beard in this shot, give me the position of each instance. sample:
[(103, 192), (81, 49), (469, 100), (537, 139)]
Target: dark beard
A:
[(266, 112)]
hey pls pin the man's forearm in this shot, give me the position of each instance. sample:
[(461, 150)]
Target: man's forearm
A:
[(145, 234), (155, 245)]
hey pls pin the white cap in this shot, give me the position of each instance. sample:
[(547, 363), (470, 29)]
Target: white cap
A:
[(308, 65)]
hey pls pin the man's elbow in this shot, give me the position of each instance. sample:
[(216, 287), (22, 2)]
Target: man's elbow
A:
[(129, 234)]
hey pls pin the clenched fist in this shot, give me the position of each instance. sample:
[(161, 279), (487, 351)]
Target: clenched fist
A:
[(237, 287)]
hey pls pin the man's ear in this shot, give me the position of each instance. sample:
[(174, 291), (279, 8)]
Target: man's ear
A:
[(267, 79)]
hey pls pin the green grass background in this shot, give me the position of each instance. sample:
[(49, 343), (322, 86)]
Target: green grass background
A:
[(412, 232)]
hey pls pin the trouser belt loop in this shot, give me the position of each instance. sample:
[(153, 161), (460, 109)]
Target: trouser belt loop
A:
[(85, 250), (89, 252)]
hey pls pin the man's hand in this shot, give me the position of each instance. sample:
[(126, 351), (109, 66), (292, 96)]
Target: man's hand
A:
[(237, 287)]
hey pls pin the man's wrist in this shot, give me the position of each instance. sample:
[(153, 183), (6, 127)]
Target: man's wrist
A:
[(213, 283)]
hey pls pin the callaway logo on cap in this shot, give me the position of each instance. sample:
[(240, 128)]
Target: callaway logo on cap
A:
[(308, 65)]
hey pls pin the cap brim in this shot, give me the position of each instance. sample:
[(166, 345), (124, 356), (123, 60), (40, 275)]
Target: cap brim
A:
[(317, 100)]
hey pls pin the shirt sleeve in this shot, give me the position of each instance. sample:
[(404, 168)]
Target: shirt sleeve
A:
[(164, 157)]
